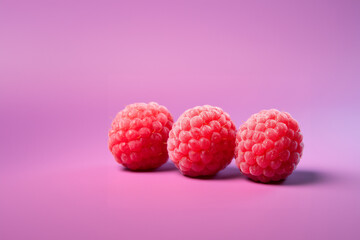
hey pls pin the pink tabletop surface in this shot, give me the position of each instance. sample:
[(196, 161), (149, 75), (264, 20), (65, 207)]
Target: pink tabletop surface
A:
[(67, 67)]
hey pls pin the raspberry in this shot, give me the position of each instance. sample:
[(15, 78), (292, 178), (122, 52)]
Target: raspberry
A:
[(269, 146), (138, 136), (202, 141)]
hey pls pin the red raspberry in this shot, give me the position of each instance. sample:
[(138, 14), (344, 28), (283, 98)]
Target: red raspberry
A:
[(268, 146), (202, 141), (138, 136)]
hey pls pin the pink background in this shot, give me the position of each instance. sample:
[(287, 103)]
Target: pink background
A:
[(67, 67)]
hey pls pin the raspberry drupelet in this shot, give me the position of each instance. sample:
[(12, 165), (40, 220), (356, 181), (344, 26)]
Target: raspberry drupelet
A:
[(139, 134), (269, 146), (202, 141)]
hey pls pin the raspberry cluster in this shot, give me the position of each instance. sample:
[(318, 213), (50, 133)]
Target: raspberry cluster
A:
[(138, 136), (268, 146), (202, 141)]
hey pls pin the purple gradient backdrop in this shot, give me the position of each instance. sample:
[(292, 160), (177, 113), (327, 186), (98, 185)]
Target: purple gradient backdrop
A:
[(67, 67)]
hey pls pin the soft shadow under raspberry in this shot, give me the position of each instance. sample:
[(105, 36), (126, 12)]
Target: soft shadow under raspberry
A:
[(303, 177), (230, 172), (168, 166)]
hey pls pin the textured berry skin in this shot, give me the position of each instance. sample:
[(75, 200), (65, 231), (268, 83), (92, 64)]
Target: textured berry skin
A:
[(269, 146), (138, 136), (202, 141)]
